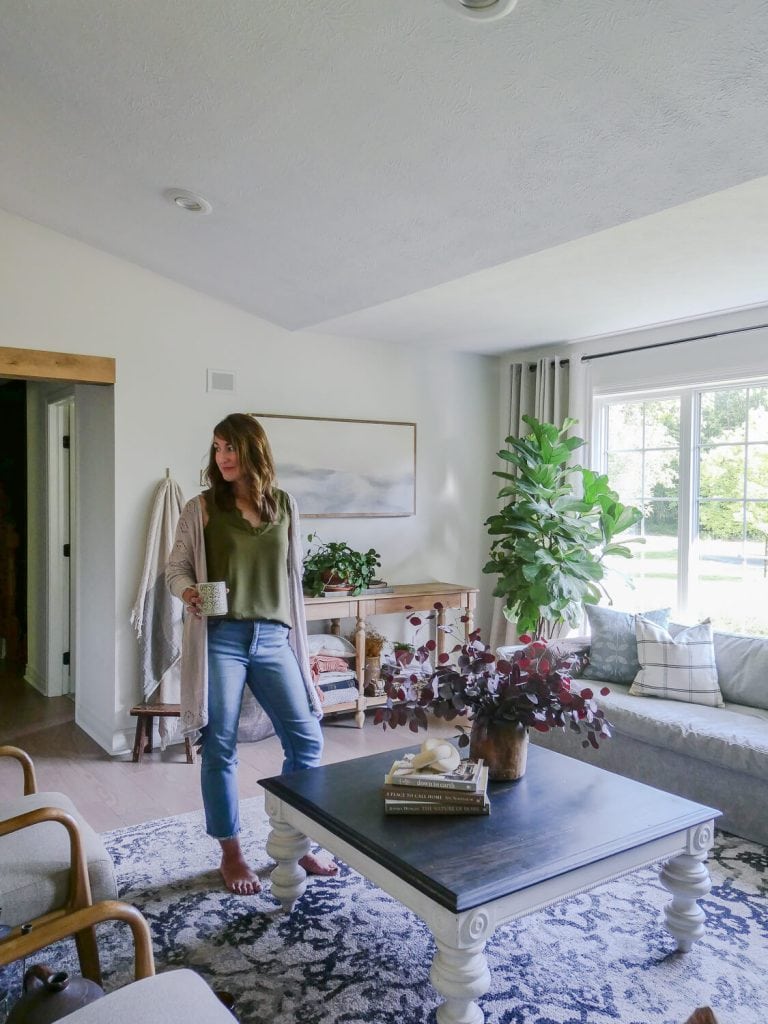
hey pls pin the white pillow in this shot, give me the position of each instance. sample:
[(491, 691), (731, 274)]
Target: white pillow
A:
[(328, 643), (679, 668)]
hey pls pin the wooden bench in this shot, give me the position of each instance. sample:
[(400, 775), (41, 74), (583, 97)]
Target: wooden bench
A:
[(145, 715)]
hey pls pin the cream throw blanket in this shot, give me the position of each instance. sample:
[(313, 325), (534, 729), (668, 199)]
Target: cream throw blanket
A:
[(157, 614)]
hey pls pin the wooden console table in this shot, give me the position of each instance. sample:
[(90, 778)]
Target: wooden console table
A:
[(421, 597)]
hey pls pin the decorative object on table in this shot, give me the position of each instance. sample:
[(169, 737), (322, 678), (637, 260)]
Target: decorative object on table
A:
[(378, 585), (403, 773), (438, 756), (502, 697), (345, 468), (436, 781), (335, 566), (551, 538), (418, 804)]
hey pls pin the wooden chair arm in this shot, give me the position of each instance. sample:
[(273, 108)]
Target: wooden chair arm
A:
[(30, 782), (79, 883), (16, 945)]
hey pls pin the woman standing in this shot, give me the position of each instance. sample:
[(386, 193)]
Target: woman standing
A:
[(243, 530)]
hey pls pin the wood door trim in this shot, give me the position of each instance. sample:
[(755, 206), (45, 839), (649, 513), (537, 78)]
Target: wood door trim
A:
[(35, 364)]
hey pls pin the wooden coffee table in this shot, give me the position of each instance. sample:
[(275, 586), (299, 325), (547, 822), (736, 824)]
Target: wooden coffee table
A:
[(565, 827)]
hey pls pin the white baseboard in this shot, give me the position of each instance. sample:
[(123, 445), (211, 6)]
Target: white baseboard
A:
[(35, 679), (114, 742)]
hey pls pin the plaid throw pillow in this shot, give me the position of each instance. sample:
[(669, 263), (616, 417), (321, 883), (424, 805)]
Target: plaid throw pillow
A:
[(682, 668)]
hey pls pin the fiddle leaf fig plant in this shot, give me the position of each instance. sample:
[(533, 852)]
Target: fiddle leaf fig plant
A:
[(335, 563), (551, 537)]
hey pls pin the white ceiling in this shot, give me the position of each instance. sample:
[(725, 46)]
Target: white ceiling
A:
[(389, 169)]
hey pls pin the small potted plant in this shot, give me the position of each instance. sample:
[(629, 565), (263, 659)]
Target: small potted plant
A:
[(334, 565), (503, 698)]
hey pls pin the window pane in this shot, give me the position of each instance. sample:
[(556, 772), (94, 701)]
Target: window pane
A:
[(625, 425), (758, 414), (642, 462), (625, 475), (662, 424), (721, 472), (729, 583), (661, 520), (757, 528), (723, 416), (648, 579), (720, 521), (661, 475), (757, 471)]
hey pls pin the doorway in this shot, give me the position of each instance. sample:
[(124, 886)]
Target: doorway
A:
[(66, 611)]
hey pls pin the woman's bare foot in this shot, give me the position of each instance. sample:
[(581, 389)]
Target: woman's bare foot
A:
[(238, 876), (314, 865)]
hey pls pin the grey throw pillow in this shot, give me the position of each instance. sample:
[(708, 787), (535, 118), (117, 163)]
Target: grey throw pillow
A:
[(613, 654)]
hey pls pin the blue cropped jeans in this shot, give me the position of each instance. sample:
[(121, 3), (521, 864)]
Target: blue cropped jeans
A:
[(255, 653)]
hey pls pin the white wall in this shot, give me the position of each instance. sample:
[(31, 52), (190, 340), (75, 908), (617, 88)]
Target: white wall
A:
[(57, 294)]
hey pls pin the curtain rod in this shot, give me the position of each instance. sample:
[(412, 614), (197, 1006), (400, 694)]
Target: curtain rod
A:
[(678, 341)]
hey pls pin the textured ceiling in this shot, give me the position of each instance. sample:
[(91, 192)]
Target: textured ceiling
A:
[(393, 170)]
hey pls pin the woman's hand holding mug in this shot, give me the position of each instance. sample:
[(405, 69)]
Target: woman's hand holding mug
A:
[(191, 599)]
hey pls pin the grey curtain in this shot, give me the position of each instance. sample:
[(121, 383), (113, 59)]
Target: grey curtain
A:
[(542, 390)]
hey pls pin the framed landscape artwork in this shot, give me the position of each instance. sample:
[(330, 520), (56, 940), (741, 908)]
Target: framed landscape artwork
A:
[(344, 468)]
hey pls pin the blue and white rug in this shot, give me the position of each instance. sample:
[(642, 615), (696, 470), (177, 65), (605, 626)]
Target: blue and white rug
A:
[(350, 954)]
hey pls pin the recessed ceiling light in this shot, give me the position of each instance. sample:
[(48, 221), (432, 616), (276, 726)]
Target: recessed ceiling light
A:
[(482, 10), (189, 201)]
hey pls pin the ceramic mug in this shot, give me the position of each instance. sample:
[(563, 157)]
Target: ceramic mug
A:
[(213, 598)]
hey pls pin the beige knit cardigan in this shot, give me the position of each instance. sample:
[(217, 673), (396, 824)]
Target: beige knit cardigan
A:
[(186, 567)]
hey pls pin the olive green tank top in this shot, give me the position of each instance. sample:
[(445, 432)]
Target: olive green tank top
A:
[(253, 560)]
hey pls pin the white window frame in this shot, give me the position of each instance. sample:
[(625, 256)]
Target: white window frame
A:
[(689, 395)]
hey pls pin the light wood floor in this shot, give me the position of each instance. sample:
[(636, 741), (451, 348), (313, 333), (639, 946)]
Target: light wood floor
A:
[(111, 792)]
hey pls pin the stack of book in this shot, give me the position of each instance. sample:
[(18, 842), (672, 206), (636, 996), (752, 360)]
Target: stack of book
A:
[(410, 791)]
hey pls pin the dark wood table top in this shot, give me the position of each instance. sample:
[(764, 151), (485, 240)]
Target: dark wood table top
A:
[(562, 815)]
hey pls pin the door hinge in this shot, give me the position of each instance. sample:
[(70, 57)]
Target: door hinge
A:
[(65, 441), (66, 550), (65, 658)]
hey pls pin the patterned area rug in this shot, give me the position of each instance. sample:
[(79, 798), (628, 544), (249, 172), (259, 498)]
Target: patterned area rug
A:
[(349, 953)]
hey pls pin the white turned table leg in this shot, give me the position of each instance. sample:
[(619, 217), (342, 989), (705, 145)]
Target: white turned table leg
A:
[(687, 878), (460, 976), (287, 847)]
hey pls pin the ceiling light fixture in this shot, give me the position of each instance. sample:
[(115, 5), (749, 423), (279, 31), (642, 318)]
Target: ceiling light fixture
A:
[(482, 10), (186, 200)]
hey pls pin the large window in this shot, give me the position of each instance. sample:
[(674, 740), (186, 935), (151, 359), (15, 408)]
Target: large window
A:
[(696, 462)]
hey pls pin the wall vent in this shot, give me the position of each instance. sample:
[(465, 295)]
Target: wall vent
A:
[(220, 380)]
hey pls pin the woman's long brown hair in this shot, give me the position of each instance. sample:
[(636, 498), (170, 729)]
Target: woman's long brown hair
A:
[(248, 438)]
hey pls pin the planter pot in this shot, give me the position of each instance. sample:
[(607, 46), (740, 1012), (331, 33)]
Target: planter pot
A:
[(503, 746)]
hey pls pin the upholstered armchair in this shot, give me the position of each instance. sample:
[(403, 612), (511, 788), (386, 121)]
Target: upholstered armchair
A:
[(52, 863), (177, 997)]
